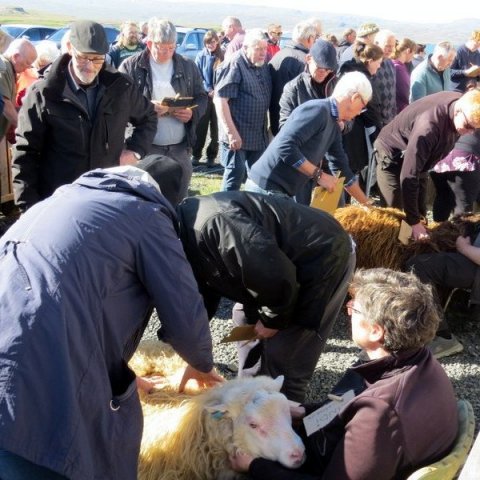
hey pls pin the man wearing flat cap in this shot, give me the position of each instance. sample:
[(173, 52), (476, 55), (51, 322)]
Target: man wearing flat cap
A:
[(74, 120)]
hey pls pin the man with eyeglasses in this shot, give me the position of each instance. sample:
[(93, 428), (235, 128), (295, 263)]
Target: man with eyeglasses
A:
[(160, 72), (294, 158), (75, 119), (414, 142)]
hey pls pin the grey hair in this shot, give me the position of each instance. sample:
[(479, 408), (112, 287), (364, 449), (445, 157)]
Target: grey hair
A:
[(253, 36), (47, 52), (231, 20), (351, 83), (317, 23), (161, 30), (302, 31), (400, 303), (444, 49), (382, 36)]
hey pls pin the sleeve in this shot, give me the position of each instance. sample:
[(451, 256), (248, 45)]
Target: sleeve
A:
[(371, 444), (423, 139), (417, 89), (296, 133), (144, 121), (228, 82), (287, 102), (27, 151), (457, 67), (199, 95), (262, 469), (167, 276)]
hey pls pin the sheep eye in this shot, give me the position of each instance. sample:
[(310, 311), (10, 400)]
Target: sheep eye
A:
[(253, 425)]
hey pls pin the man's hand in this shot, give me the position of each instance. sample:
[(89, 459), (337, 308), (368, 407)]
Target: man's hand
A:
[(160, 110), (462, 243), (264, 332), (182, 114), (127, 157), (240, 461), (420, 233), (204, 380), (149, 384), (297, 412), (234, 141), (327, 181)]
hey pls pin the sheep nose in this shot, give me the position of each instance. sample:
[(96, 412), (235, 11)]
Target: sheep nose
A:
[(297, 455)]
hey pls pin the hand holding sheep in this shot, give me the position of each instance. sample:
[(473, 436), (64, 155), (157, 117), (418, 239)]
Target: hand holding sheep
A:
[(204, 380)]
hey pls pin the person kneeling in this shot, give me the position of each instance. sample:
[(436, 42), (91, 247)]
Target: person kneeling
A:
[(403, 414)]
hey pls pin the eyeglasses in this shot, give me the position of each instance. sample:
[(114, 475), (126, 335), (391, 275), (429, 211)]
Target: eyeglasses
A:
[(82, 59), (351, 309), (162, 48), (276, 33)]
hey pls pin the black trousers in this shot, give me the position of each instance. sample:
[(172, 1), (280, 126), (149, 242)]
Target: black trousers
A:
[(294, 351), (456, 193), (208, 120)]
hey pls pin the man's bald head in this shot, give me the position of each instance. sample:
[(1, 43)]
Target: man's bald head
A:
[(21, 53)]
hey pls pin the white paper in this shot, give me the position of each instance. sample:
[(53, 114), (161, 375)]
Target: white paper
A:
[(324, 415)]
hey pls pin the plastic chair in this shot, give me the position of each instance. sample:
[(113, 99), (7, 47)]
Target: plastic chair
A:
[(448, 467)]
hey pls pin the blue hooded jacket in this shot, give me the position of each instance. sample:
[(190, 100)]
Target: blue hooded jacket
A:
[(80, 274)]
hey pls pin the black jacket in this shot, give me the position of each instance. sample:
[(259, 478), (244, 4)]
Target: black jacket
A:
[(186, 81), (282, 260), (57, 141)]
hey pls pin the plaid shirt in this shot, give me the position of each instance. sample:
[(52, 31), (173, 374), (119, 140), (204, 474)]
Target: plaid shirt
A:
[(248, 89)]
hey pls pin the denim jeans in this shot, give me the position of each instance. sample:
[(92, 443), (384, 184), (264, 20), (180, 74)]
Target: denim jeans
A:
[(251, 186), (13, 467), (236, 164)]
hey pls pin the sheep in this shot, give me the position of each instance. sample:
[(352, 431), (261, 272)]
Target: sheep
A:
[(376, 230), (190, 437)]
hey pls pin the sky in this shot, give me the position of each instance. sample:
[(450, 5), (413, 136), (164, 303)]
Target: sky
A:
[(420, 11)]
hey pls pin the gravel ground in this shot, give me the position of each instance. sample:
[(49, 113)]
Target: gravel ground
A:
[(340, 352)]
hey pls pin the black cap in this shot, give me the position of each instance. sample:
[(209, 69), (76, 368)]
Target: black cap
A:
[(88, 37)]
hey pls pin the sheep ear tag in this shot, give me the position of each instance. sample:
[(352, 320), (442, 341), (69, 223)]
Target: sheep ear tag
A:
[(216, 411)]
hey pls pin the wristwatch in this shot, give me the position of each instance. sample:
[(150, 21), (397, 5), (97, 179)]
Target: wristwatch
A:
[(317, 173)]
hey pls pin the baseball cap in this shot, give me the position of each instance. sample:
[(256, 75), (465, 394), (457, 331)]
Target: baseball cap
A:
[(324, 54), (88, 37)]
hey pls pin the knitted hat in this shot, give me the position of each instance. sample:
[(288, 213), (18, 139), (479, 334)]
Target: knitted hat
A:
[(88, 37), (367, 29), (324, 54)]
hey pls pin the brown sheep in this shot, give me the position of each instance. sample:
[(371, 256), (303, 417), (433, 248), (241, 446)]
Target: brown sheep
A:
[(376, 230)]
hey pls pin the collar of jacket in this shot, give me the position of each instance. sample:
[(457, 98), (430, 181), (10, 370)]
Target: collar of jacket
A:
[(391, 365), (56, 78), (298, 46)]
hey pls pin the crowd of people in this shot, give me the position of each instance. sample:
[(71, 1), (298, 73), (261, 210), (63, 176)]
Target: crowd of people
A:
[(105, 139)]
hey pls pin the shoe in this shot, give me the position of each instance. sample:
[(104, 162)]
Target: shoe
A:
[(195, 161), (210, 163), (444, 347)]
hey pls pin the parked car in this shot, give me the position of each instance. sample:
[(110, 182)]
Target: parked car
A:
[(112, 34), (285, 39), (34, 33), (190, 41)]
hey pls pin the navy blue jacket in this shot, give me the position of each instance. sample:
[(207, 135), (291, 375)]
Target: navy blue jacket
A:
[(80, 273), (309, 133)]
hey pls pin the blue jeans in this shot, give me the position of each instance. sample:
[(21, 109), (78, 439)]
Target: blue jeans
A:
[(13, 467), (251, 186), (236, 164)]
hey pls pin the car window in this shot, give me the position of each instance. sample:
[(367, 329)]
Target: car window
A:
[(33, 34), (180, 37), (13, 31)]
